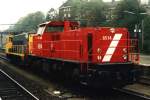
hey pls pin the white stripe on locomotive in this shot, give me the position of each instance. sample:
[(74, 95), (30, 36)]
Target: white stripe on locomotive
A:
[(112, 47)]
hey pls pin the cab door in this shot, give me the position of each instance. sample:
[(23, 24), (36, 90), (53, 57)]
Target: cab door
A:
[(89, 46)]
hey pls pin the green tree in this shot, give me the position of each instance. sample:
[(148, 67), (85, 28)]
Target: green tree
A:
[(28, 23), (127, 14), (146, 44)]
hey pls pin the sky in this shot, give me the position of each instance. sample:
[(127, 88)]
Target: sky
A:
[(12, 10)]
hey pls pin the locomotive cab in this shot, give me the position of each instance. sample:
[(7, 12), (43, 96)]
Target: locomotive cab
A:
[(8, 45), (57, 26)]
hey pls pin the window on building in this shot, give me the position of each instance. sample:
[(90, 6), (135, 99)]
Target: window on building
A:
[(68, 9), (64, 15), (69, 15)]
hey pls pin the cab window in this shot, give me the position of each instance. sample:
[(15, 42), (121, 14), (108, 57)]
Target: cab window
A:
[(10, 39), (41, 30), (54, 28)]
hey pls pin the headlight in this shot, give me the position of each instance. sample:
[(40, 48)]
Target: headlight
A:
[(125, 50), (124, 57), (98, 50)]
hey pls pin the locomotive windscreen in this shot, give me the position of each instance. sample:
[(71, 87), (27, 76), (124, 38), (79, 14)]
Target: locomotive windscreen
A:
[(54, 28)]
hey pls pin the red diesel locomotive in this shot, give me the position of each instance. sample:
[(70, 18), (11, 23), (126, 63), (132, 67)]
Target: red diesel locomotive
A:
[(91, 55)]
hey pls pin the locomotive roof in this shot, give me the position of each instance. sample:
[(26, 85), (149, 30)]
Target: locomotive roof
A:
[(59, 23)]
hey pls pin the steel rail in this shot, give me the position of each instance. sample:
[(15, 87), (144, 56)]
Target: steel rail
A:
[(133, 93), (36, 98)]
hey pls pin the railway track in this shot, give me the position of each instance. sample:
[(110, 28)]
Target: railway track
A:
[(146, 97), (4, 58), (145, 80), (12, 90)]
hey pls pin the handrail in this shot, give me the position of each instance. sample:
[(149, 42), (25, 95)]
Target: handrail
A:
[(20, 49)]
